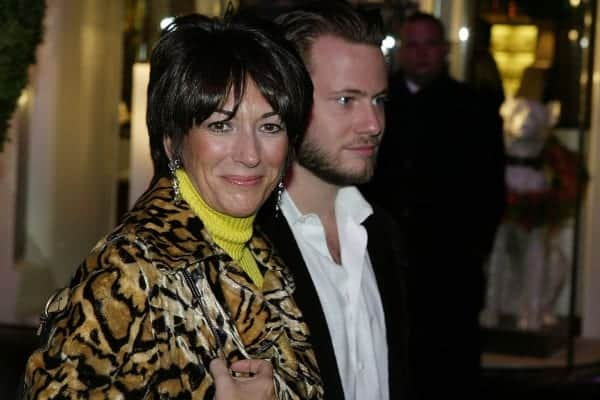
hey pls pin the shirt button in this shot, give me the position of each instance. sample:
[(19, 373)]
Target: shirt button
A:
[(361, 367)]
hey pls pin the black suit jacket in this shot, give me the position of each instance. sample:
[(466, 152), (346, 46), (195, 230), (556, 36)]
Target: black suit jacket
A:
[(386, 252)]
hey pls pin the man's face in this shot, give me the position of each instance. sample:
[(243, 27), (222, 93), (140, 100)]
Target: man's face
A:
[(422, 52), (347, 120)]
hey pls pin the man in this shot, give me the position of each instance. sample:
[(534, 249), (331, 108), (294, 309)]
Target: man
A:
[(344, 255), (443, 155)]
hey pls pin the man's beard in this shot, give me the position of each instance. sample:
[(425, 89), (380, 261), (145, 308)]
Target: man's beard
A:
[(316, 161)]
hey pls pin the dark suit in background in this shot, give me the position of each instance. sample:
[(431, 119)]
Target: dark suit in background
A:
[(441, 174)]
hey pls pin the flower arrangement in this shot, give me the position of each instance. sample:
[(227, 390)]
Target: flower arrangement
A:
[(22, 31)]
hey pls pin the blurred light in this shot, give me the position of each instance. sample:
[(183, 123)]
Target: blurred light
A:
[(574, 3), (387, 44), (463, 34), (573, 35), (165, 22), (584, 42), (24, 98)]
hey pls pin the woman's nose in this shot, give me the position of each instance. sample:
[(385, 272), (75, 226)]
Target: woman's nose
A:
[(247, 149)]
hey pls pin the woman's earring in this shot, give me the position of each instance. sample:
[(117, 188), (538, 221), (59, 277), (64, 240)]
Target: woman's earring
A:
[(174, 165), (280, 188)]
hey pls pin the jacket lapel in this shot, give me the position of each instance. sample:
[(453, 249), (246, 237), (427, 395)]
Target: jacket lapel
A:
[(307, 299), (386, 251)]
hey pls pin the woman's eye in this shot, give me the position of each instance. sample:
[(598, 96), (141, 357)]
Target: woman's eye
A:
[(271, 128), (219, 126)]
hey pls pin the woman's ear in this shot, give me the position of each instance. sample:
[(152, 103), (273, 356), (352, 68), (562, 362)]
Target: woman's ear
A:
[(168, 145)]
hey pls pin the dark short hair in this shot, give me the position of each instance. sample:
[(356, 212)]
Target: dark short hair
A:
[(199, 60), (338, 18), (419, 16)]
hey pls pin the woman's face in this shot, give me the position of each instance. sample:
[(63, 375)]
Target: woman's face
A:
[(235, 163)]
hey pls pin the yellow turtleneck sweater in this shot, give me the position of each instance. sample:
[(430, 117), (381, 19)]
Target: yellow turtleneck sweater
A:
[(230, 233)]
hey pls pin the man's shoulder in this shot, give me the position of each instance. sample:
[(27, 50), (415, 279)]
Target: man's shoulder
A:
[(387, 246), (380, 215), (384, 226), (273, 224), (271, 221)]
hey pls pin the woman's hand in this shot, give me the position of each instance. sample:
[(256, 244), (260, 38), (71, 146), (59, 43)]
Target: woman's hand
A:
[(244, 379)]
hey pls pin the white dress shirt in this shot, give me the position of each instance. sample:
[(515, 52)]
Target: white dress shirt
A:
[(348, 293)]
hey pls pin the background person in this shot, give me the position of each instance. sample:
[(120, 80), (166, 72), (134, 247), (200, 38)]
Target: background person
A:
[(441, 175), (185, 283)]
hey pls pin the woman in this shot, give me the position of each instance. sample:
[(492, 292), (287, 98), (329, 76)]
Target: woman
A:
[(185, 287)]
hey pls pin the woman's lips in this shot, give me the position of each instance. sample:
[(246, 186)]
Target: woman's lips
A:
[(242, 180)]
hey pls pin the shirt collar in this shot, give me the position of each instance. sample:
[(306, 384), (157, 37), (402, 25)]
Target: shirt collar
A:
[(348, 202)]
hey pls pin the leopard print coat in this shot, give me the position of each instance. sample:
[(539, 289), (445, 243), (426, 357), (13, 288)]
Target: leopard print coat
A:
[(155, 301)]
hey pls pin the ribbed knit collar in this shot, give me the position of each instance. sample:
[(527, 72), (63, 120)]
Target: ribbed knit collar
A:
[(231, 233)]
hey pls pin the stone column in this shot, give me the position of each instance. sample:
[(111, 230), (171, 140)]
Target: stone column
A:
[(9, 275), (70, 188)]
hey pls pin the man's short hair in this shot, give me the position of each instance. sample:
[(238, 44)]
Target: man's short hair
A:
[(337, 18), (419, 16)]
